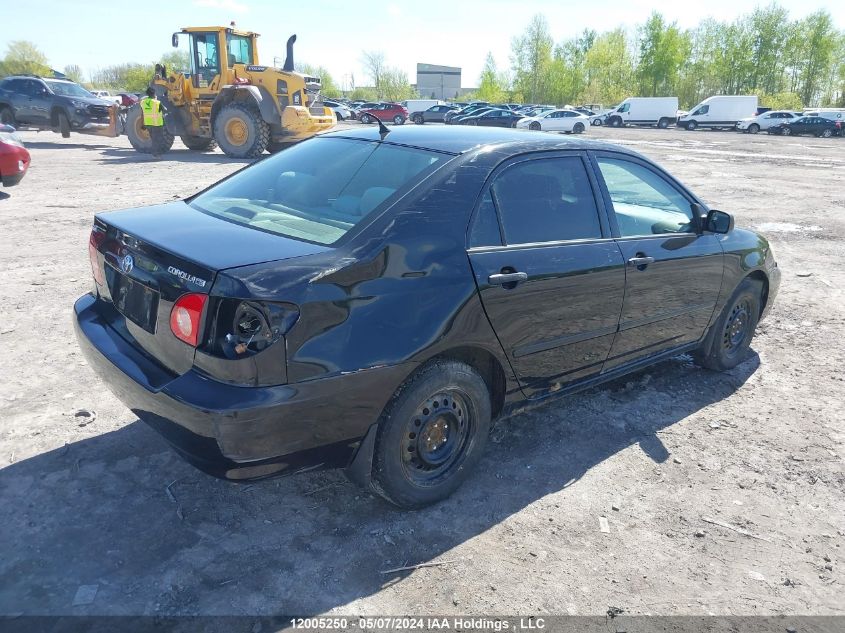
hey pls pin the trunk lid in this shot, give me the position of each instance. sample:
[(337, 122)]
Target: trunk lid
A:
[(150, 257)]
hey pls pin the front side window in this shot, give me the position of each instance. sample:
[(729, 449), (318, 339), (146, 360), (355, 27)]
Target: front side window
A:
[(240, 50), (643, 201), (320, 189), (546, 200), (702, 110)]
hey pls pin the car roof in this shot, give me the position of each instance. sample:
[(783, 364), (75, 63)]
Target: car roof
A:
[(462, 139)]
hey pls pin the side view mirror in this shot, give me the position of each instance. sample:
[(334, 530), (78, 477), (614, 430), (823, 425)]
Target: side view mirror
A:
[(719, 222), (175, 40)]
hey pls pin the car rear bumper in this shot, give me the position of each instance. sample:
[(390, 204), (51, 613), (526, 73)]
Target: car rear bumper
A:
[(232, 432)]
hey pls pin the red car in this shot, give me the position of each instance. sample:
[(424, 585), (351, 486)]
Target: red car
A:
[(127, 100), (14, 159), (384, 112)]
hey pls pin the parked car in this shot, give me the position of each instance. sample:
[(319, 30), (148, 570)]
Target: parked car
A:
[(720, 111), (492, 118), (105, 95), (557, 121), (373, 303), (814, 125), (341, 111), (384, 112), (432, 114), (766, 120), (127, 100), (650, 111), (449, 117), (14, 158), (457, 118), (56, 104)]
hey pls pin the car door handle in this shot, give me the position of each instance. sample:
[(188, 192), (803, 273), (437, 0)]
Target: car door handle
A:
[(501, 279), (641, 261)]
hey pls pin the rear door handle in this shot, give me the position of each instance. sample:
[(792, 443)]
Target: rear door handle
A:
[(500, 279), (641, 261)]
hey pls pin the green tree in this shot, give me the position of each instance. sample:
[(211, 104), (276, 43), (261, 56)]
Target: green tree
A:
[(782, 101), (769, 28), (177, 61), (531, 57), (821, 41), (395, 85), (74, 73), (663, 50), (490, 87), (23, 58), (374, 65), (610, 67)]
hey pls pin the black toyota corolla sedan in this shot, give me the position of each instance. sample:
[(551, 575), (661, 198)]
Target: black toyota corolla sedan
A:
[(372, 300)]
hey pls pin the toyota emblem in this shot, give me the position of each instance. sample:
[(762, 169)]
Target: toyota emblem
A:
[(127, 263)]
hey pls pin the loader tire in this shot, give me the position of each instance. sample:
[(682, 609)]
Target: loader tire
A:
[(140, 139), (199, 144), (241, 132)]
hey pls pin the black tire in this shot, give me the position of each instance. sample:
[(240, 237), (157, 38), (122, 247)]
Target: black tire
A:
[(663, 123), (616, 122), (691, 125), (732, 333), (7, 117), (140, 139), (535, 125), (753, 128), (63, 123), (826, 133), (240, 131), (338, 116), (578, 128), (431, 434), (199, 144), (418, 119), (399, 119)]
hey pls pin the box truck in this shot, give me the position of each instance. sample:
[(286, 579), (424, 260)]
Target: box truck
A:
[(659, 111), (721, 111), (418, 105)]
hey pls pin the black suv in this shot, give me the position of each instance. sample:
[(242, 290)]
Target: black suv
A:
[(56, 104)]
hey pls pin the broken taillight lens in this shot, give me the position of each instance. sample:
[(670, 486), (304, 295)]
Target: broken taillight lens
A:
[(98, 235)]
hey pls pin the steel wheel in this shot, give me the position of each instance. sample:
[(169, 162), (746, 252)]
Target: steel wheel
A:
[(736, 327), (437, 436)]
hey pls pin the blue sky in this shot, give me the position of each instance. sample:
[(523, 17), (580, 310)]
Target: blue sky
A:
[(456, 32)]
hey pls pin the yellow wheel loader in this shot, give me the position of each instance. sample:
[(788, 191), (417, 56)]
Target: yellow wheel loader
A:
[(229, 100)]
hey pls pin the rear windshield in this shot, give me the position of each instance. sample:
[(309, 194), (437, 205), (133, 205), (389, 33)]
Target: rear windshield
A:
[(318, 190)]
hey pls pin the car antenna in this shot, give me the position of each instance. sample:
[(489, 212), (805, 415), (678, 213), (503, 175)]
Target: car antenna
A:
[(383, 130)]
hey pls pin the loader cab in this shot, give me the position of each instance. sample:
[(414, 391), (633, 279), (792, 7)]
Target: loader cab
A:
[(214, 53)]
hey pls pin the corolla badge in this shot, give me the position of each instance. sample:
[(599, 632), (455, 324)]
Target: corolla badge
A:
[(127, 263), (181, 274)]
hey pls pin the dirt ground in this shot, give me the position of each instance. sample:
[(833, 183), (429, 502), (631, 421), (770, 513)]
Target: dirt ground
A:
[(99, 516)]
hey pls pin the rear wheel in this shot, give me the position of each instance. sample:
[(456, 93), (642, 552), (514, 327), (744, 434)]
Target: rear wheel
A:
[(338, 116), (399, 119), (826, 133), (431, 435), (140, 138), (578, 128), (535, 125), (199, 144), (240, 131), (753, 128), (663, 123), (786, 131), (418, 119), (734, 329), (366, 118)]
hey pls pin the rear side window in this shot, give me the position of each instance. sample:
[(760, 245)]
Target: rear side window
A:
[(318, 190), (546, 200)]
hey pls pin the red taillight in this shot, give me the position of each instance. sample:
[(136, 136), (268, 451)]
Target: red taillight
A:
[(185, 317), (97, 237)]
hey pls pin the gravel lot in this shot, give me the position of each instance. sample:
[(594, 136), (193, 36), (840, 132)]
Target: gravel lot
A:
[(105, 505)]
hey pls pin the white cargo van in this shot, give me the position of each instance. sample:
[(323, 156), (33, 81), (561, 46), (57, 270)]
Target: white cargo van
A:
[(721, 111), (418, 105), (659, 111), (834, 114)]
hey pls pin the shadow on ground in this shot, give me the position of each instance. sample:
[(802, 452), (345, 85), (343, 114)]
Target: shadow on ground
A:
[(121, 511)]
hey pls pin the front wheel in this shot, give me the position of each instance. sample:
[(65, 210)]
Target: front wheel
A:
[(139, 136), (7, 117), (431, 435), (63, 124), (595, 122), (418, 119), (240, 131), (692, 125), (753, 128), (734, 329), (534, 126)]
